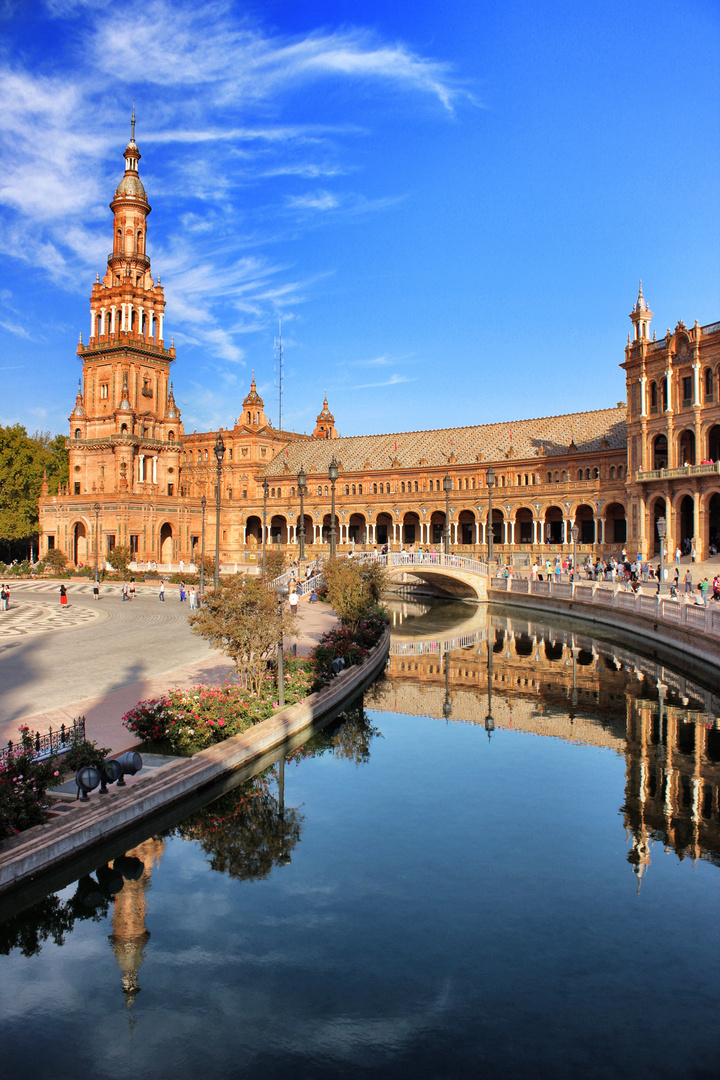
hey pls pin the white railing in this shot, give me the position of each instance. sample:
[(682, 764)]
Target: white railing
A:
[(705, 619)]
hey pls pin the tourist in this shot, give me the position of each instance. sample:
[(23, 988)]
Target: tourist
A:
[(678, 555), (716, 587), (161, 596), (193, 598), (63, 595), (125, 590), (704, 586), (293, 598), (692, 553), (182, 592), (688, 580), (4, 598)]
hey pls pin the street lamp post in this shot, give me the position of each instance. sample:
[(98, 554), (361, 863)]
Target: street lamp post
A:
[(490, 481), (661, 527), (302, 478), (333, 474), (575, 533), (219, 455), (203, 504), (266, 488), (96, 508), (281, 592), (489, 720), (447, 488)]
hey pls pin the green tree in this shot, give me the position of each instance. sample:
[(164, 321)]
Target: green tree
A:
[(56, 560), (24, 459), (353, 587), (119, 558), (275, 562), (240, 618)]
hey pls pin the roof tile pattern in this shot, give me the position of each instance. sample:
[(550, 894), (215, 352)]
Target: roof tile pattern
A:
[(549, 436)]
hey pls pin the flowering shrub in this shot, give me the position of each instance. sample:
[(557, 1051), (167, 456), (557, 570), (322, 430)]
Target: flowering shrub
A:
[(352, 646), (23, 783), (189, 720)]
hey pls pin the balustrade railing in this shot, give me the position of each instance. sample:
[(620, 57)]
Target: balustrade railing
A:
[(56, 741)]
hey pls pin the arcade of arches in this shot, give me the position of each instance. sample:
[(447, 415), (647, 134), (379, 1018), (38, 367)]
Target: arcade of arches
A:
[(612, 472)]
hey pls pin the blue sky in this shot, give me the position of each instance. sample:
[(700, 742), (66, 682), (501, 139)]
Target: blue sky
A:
[(448, 205)]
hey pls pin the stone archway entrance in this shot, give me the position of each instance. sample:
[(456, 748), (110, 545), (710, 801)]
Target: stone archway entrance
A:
[(686, 521), (80, 544), (166, 543)]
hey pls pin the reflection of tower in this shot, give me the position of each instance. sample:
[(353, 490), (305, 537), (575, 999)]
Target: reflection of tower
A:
[(130, 935)]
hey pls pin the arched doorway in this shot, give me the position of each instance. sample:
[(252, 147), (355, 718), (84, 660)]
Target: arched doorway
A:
[(309, 531), (686, 521), (660, 452), (524, 526), (278, 529), (357, 531), (615, 524), (166, 543), (437, 527), (713, 520), (383, 528), (466, 528), (713, 443), (411, 528), (686, 447), (498, 520), (585, 523), (253, 531), (80, 544), (554, 525)]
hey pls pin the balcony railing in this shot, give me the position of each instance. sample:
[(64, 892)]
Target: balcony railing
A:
[(674, 474), (136, 256)]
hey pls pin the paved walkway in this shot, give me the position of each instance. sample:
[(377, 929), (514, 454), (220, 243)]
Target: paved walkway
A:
[(99, 658)]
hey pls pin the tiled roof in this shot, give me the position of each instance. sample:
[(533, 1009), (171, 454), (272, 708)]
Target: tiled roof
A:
[(549, 436)]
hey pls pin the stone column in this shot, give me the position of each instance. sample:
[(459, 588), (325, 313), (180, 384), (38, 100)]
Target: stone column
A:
[(643, 395)]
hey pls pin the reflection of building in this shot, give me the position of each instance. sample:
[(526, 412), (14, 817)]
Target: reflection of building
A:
[(128, 450), (130, 934), (567, 686)]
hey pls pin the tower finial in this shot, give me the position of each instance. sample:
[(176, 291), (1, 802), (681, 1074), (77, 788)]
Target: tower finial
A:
[(132, 123)]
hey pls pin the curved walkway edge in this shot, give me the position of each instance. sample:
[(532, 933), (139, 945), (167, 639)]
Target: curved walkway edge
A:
[(40, 849), (683, 640)]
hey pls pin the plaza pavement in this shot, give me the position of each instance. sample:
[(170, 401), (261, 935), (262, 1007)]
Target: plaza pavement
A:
[(99, 658)]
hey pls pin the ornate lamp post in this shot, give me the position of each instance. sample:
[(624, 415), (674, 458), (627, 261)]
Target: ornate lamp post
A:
[(447, 488), (266, 488), (661, 528), (281, 592), (219, 455), (96, 508), (302, 478), (333, 474), (489, 721), (575, 533), (490, 481), (203, 504)]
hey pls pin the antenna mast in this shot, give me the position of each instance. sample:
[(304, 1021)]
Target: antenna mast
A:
[(279, 358)]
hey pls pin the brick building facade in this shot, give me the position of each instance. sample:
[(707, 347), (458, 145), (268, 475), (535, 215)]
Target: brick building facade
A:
[(135, 472)]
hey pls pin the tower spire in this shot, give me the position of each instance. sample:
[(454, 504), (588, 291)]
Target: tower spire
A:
[(132, 124)]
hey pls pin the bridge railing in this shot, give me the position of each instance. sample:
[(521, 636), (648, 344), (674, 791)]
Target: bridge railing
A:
[(436, 558), (705, 619)]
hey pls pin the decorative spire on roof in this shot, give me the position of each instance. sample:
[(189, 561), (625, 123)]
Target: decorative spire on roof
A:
[(325, 427), (172, 410), (79, 409), (641, 316)]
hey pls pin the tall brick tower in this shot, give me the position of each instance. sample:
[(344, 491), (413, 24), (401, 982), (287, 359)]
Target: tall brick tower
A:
[(125, 428)]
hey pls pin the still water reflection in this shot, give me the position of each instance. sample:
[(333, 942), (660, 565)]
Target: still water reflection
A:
[(504, 863)]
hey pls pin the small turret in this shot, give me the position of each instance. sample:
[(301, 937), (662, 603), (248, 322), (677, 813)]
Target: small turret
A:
[(253, 415), (641, 316), (325, 426)]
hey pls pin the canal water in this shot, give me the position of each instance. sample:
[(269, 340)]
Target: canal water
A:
[(503, 862)]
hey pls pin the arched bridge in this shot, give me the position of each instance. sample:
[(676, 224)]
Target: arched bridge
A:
[(452, 575)]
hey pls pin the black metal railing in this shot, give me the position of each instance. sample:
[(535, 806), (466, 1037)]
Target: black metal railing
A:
[(52, 742)]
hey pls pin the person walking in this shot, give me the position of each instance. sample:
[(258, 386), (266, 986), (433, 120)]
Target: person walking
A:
[(125, 590), (193, 598), (705, 586), (161, 597), (182, 592), (131, 590), (688, 580), (678, 556), (63, 595), (4, 598), (293, 598), (96, 590)]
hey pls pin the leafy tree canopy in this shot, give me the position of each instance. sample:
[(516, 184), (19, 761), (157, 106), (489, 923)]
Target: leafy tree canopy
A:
[(23, 461)]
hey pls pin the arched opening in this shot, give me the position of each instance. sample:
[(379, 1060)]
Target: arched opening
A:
[(554, 525), (383, 528), (653, 397), (80, 544), (139, 241), (686, 518), (466, 528), (278, 529), (410, 528), (660, 452), (713, 443), (709, 385), (166, 543), (658, 510), (553, 649), (713, 523), (524, 526), (78, 433), (357, 531), (686, 447), (585, 523), (523, 645), (437, 526), (498, 520), (309, 532), (615, 524), (253, 531)]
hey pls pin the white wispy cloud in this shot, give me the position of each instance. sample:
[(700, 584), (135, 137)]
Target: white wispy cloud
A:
[(394, 380), (314, 200)]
